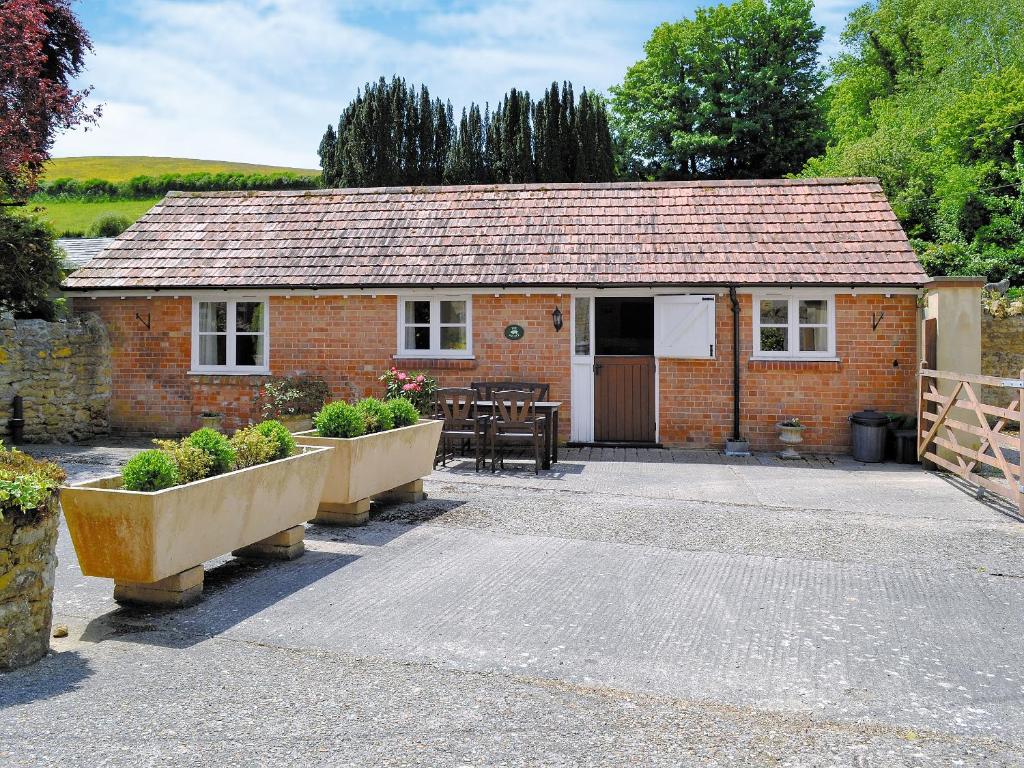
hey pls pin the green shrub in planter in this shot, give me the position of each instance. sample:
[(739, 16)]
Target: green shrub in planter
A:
[(192, 463), (149, 471), (217, 446), (377, 415), (403, 412), (284, 443), (252, 448), (340, 420)]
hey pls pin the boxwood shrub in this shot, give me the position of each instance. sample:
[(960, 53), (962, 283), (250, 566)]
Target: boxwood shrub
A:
[(217, 446), (378, 417), (403, 412), (283, 441), (340, 420), (151, 470)]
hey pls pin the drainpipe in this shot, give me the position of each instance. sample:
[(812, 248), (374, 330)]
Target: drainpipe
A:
[(736, 446)]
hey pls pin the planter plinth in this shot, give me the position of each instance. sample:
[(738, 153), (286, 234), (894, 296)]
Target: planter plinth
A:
[(404, 494), (286, 545), (352, 513), (175, 591)]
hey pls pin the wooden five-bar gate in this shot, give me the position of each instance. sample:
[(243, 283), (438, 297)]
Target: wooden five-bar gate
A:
[(978, 441)]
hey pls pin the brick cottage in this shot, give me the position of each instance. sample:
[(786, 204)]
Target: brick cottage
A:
[(653, 283)]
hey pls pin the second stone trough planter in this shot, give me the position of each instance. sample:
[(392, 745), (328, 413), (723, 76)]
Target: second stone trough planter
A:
[(381, 465), (153, 545)]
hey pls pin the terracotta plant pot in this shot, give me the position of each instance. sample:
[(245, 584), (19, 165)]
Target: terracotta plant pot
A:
[(389, 463), (139, 538), (29, 542)]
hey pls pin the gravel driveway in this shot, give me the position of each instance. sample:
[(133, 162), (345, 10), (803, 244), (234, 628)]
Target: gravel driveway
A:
[(657, 609)]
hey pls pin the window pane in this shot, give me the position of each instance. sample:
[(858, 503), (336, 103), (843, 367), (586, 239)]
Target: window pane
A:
[(775, 311), (249, 316), (814, 312), (249, 349), (582, 314), (814, 339), (213, 316), (213, 350), (417, 337), (453, 312), (774, 340), (417, 311), (453, 337)]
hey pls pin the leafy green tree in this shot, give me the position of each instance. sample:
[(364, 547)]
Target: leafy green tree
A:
[(32, 270), (733, 92), (928, 96)]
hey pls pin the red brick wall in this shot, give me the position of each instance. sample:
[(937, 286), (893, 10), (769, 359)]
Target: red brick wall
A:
[(350, 341), (696, 396)]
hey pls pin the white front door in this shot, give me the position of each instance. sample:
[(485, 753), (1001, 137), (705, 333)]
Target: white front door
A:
[(582, 384)]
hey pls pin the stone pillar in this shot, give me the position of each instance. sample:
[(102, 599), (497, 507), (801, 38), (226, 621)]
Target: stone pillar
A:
[(955, 305), (27, 563)]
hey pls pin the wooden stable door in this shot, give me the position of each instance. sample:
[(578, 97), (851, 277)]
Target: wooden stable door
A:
[(624, 399)]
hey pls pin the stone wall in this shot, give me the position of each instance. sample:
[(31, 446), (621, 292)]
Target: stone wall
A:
[(62, 372), (27, 564), (1002, 352)]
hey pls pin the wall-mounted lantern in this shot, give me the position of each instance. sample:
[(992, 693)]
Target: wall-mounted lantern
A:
[(556, 319)]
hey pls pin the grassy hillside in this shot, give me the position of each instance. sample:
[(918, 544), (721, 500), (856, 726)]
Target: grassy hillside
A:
[(124, 168), (78, 215)]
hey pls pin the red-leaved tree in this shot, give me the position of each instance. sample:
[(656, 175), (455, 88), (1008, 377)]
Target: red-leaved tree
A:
[(42, 48)]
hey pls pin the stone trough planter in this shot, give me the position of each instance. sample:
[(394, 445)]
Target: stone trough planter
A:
[(153, 545), (28, 544), (383, 465)]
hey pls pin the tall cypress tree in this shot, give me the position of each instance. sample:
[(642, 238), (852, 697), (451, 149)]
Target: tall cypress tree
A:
[(327, 150)]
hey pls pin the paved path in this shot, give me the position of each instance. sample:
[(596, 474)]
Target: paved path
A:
[(681, 610)]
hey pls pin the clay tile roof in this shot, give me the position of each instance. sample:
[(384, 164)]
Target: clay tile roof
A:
[(764, 232)]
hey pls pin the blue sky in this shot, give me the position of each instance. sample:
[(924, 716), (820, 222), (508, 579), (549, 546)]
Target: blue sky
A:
[(258, 80)]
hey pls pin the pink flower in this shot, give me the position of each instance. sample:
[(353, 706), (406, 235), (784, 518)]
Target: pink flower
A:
[(402, 376), (420, 379), (409, 387)]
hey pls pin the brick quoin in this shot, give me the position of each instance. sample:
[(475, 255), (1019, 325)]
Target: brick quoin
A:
[(350, 341)]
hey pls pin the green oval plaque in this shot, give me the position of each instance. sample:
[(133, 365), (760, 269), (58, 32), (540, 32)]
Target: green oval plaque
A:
[(514, 332)]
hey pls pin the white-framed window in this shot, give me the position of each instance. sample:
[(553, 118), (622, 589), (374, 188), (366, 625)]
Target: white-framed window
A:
[(440, 326), (230, 335), (795, 326)]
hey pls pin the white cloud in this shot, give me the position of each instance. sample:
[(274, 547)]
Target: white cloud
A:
[(258, 80)]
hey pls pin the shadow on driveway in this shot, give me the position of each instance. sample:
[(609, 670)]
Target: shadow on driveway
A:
[(54, 675), (232, 592)]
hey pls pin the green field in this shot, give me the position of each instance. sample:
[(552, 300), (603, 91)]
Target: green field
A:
[(124, 168), (77, 216)]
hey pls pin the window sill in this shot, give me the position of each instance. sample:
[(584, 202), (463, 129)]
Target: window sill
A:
[(425, 355), (436, 363), (794, 359), (232, 372)]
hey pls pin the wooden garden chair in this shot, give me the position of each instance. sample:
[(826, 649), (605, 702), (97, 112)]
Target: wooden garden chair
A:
[(457, 407), (514, 421)]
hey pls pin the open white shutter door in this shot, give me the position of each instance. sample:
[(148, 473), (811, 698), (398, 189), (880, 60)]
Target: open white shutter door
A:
[(684, 326)]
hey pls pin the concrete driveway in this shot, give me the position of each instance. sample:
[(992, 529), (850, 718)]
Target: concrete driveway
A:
[(661, 608)]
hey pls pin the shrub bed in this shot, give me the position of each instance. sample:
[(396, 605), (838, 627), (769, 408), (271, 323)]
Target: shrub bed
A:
[(206, 453), (369, 415)]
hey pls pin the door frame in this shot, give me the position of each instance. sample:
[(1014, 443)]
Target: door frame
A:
[(582, 370)]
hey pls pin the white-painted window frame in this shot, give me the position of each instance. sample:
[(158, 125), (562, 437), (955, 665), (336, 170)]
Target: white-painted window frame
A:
[(435, 325), (231, 369), (794, 297)]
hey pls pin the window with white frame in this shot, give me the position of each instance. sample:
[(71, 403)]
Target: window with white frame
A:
[(435, 327), (229, 335), (794, 326)]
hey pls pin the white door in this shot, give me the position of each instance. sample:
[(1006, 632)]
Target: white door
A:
[(582, 384), (684, 326)]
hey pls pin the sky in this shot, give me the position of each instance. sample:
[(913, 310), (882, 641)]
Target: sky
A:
[(259, 80)]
